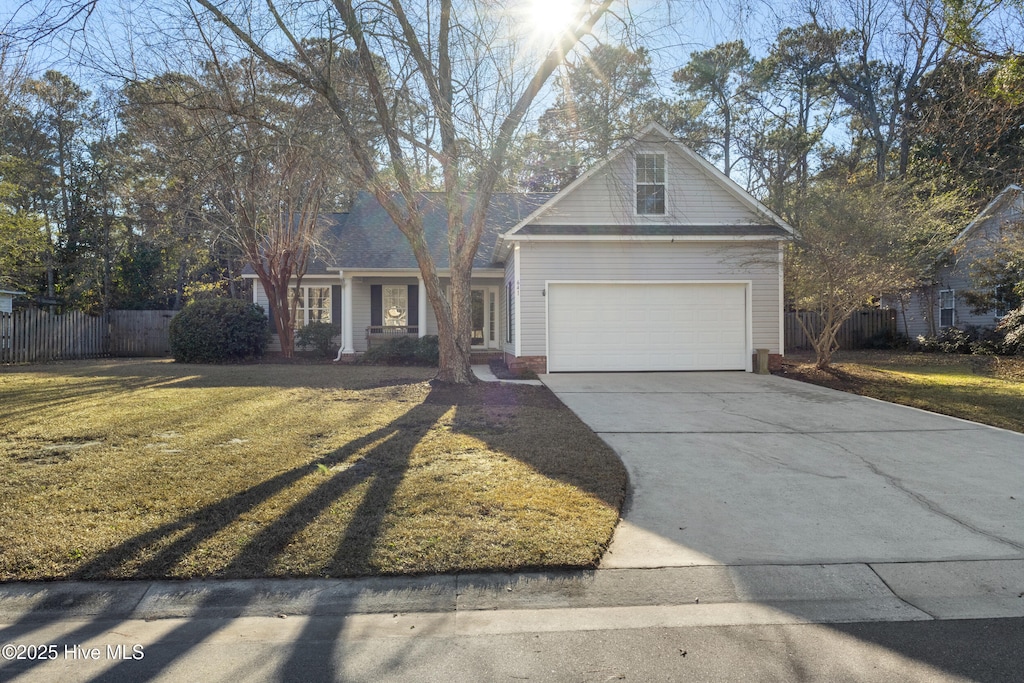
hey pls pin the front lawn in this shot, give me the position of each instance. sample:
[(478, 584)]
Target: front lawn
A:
[(981, 388), (151, 469)]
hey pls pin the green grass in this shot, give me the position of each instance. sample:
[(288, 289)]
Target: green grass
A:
[(151, 469), (984, 389)]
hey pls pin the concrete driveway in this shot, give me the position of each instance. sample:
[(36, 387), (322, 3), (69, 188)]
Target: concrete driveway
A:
[(738, 469)]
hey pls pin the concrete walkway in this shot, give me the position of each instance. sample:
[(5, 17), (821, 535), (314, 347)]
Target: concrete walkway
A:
[(484, 374)]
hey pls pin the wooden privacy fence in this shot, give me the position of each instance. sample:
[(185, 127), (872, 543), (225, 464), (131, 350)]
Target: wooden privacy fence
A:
[(140, 333), (33, 335), (853, 334)]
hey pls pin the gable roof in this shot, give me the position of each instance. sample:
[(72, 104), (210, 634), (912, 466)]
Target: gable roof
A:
[(1006, 201), (771, 225)]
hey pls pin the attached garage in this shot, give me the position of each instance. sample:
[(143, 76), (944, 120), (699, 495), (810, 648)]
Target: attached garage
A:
[(636, 326)]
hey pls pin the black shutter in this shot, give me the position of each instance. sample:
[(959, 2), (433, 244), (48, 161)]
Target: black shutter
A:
[(336, 306), (414, 305), (376, 305)]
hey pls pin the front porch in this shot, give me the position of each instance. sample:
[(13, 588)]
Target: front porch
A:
[(380, 334), (383, 308)]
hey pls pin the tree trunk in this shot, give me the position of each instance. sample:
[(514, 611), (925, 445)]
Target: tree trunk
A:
[(454, 366), (280, 310), (179, 286)]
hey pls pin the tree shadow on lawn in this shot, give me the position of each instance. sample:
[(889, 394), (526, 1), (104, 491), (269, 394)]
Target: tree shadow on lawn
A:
[(386, 454), (134, 373)]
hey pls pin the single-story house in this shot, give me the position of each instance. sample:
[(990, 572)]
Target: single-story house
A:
[(652, 260), (941, 304)]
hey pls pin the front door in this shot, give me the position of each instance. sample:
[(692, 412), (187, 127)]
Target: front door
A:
[(483, 305)]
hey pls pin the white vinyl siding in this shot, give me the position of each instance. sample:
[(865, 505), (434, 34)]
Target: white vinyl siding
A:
[(692, 197), (259, 297), (508, 296), (360, 314), (542, 262), (919, 314)]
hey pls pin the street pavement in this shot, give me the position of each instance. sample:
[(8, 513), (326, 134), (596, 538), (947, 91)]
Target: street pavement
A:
[(775, 531)]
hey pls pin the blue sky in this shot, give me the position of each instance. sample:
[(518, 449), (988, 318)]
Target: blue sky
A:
[(670, 29)]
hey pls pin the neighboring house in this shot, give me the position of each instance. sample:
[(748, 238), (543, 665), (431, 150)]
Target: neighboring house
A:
[(929, 310), (653, 260), (7, 299)]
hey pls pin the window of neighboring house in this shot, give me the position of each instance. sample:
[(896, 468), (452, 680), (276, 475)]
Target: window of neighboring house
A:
[(947, 308), (314, 305), (650, 184), (395, 300)]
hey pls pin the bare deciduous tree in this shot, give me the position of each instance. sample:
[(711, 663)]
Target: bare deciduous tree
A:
[(850, 248), (880, 51), (469, 65)]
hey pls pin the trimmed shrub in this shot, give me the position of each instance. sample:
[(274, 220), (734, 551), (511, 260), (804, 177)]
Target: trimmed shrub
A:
[(950, 340), (888, 339), (318, 336), (428, 350), (974, 340), (218, 331), (404, 351), (1012, 328)]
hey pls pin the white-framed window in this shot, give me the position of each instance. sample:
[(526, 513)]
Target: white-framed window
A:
[(650, 184), (1001, 295), (395, 300), (947, 308), (314, 305)]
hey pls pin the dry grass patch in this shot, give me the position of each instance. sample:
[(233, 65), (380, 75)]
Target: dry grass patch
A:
[(149, 469), (984, 389)]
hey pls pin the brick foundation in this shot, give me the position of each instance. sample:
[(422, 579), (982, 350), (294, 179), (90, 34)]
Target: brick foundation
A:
[(538, 364), (774, 362)]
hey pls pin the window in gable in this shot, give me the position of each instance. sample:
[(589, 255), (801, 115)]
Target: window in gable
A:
[(650, 184)]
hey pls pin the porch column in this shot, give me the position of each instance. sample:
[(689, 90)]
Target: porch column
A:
[(346, 315), (422, 302)]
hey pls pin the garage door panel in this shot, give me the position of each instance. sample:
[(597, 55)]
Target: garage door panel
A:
[(647, 326)]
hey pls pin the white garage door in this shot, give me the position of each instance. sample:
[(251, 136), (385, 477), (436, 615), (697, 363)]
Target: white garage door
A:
[(656, 326)]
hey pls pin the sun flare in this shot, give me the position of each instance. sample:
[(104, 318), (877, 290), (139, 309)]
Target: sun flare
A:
[(550, 17)]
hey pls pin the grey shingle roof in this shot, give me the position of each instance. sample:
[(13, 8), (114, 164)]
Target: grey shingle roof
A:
[(366, 237), (654, 230)]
